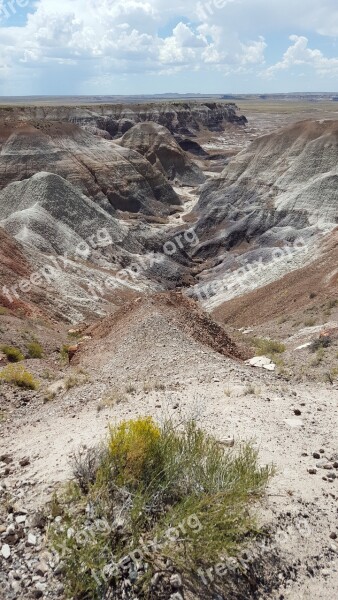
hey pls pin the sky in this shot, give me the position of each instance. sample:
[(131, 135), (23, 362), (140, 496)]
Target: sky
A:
[(94, 47)]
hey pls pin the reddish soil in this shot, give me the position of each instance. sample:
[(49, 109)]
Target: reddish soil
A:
[(183, 312), (308, 287)]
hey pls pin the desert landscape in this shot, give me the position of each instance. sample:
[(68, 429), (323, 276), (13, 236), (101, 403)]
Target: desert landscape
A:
[(169, 313)]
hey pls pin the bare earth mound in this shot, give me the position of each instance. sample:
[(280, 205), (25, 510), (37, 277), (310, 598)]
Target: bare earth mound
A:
[(176, 310)]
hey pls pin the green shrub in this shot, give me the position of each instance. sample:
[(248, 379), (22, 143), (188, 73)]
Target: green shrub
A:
[(35, 350), (64, 352), (268, 348), (3, 311), (151, 479), (14, 355), (310, 322), (321, 343), (18, 375)]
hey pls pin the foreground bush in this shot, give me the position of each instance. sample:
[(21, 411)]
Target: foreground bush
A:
[(14, 355), (35, 350), (176, 494), (18, 375)]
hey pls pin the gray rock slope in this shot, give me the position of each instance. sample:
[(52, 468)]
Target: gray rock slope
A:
[(283, 185), (280, 193), (116, 178), (160, 148), (48, 212)]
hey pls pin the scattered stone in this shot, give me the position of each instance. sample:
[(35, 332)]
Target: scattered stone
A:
[(228, 442), (6, 551), (324, 464), (316, 455), (20, 519), (312, 471), (38, 521), (24, 462), (31, 540), (155, 580), (298, 412), (41, 569), (333, 536), (6, 458), (262, 362), (176, 581)]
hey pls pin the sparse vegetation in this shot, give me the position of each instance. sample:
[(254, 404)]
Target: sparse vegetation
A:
[(131, 389), (155, 479), (153, 386), (319, 357), (269, 348), (14, 355), (3, 311), (251, 390), (112, 398), (64, 352), (332, 304), (159, 386), (49, 397), (147, 387), (19, 376), (320, 343), (228, 391), (48, 375), (35, 350), (79, 377), (310, 322)]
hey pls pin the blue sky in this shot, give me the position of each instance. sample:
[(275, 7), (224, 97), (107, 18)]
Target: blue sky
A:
[(155, 46)]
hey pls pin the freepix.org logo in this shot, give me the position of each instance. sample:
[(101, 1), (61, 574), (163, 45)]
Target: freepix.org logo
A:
[(9, 8)]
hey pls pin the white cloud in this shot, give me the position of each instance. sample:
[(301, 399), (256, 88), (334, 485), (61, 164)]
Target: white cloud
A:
[(123, 36), (95, 39), (253, 53), (299, 54)]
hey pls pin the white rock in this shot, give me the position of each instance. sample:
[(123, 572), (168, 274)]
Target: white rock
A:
[(294, 423), (261, 362), (31, 539), (271, 367), (304, 346), (5, 551), (229, 442), (20, 519)]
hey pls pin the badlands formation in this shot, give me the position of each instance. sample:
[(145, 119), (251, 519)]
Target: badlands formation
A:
[(160, 269)]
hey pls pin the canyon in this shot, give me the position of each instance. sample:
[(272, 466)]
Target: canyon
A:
[(163, 245)]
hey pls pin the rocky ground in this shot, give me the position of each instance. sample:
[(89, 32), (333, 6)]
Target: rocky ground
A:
[(150, 365), (160, 355)]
